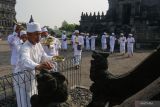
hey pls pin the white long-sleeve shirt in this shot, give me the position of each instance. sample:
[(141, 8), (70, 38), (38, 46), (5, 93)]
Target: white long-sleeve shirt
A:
[(64, 41), (112, 40), (93, 39), (80, 41), (30, 56), (15, 44), (122, 41), (103, 39), (54, 47), (130, 41), (87, 40)]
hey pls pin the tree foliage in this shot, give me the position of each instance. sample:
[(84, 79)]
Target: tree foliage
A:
[(68, 27)]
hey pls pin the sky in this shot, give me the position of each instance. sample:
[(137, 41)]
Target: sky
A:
[(54, 12)]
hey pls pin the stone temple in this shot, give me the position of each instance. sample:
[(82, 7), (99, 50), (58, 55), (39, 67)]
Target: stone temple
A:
[(7, 16), (140, 17)]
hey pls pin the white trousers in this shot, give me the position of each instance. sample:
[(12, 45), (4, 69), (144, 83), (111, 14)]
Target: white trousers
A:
[(64, 45), (130, 50), (122, 48), (112, 48), (92, 47), (104, 46), (25, 86), (77, 59), (87, 46)]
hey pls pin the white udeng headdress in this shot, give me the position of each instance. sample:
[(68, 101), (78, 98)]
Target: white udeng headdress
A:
[(121, 34), (113, 33), (33, 27), (76, 31), (15, 26), (23, 33), (44, 29)]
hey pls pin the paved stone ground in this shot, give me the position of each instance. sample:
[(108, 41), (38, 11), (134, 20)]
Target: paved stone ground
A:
[(117, 64)]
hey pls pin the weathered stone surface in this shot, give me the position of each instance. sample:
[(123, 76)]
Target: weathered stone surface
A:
[(140, 17), (7, 16)]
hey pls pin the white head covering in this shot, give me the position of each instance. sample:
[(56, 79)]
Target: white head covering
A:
[(64, 31), (113, 33), (15, 26), (33, 27), (130, 34), (87, 34), (23, 33), (76, 31), (82, 33), (121, 34), (44, 29), (104, 33)]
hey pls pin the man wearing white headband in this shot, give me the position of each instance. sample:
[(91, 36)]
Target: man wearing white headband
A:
[(23, 36), (112, 40), (72, 39), (77, 42), (122, 42), (104, 41), (51, 45), (87, 42), (83, 37), (64, 41), (32, 57), (14, 41), (93, 40), (130, 45)]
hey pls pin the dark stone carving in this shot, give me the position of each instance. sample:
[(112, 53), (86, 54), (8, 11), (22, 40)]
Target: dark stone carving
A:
[(52, 89), (115, 89)]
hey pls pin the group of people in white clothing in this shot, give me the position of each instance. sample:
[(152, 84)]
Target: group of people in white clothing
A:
[(122, 40), (89, 42), (32, 49)]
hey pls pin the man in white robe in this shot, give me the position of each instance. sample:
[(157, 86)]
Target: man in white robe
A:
[(130, 45), (122, 42), (112, 40), (32, 57), (14, 43), (64, 41), (72, 39), (23, 36), (87, 42), (51, 45), (83, 37), (78, 41), (93, 39), (104, 41)]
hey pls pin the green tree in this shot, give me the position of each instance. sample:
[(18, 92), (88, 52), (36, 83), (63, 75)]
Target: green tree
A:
[(68, 27), (50, 30)]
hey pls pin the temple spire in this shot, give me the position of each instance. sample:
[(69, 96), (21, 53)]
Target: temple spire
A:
[(31, 19)]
